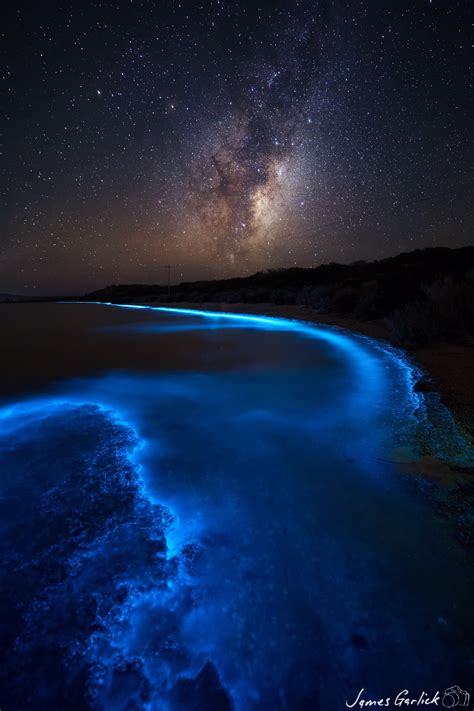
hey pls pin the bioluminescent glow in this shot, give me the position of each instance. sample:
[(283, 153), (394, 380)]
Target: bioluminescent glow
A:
[(225, 538), (365, 364)]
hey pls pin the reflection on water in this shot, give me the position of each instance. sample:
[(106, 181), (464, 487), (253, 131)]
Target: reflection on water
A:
[(225, 537)]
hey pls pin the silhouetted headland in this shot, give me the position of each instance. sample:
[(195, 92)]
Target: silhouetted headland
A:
[(421, 300), (425, 296)]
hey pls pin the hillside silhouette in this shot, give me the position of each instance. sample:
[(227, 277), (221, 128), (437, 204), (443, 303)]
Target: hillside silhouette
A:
[(424, 295)]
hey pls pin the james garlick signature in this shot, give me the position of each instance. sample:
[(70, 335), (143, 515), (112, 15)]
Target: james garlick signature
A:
[(451, 697)]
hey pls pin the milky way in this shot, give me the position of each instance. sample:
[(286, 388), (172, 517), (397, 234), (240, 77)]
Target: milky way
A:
[(243, 183), (229, 137)]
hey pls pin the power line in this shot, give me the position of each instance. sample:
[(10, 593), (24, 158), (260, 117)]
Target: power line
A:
[(168, 267)]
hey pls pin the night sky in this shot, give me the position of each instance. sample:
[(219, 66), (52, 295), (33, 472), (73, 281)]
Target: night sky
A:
[(229, 137)]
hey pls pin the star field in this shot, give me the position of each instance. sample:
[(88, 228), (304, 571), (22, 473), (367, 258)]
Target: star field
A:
[(229, 137)]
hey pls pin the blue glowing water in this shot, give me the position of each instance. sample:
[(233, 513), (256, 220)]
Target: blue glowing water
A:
[(227, 537)]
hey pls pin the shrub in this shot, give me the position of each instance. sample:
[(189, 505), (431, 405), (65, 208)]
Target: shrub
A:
[(445, 313), (344, 299), (319, 298), (367, 305)]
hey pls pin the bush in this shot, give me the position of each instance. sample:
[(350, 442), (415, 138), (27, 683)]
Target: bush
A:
[(445, 313), (318, 297), (367, 305), (344, 299)]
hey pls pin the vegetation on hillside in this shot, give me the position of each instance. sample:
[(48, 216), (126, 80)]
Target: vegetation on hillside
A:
[(424, 296)]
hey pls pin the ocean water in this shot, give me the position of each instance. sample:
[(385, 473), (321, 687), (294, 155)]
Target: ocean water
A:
[(201, 512)]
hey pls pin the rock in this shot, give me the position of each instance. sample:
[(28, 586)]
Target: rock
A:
[(203, 693)]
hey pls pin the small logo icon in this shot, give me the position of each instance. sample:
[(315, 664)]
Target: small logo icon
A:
[(455, 696)]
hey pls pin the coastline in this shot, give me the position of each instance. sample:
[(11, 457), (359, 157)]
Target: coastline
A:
[(448, 371), (449, 368), (312, 489)]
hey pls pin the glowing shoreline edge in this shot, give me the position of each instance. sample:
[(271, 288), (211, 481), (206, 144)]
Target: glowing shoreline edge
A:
[(18, 415), (367, 366), (342, 338)]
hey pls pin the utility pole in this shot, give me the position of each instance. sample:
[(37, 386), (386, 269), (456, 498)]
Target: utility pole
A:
[(168, 267)]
